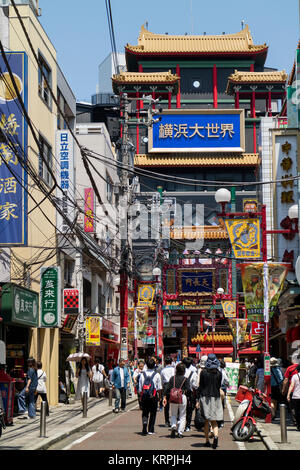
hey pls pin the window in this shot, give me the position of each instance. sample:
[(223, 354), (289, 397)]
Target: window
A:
[(46, 156), (44, 91), (109, 189)]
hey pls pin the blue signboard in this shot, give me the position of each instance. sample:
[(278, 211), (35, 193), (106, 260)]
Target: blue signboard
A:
[(13, 148), (196, 282), (198, 131)]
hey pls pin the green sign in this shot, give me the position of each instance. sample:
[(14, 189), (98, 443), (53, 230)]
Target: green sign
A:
[(19, 305), (267, 365), (50, 297)]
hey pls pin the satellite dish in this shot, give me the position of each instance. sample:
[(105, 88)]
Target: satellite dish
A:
[(297, 269)]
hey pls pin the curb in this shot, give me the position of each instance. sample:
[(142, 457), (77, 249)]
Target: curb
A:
[(47, 442), (267, 440)]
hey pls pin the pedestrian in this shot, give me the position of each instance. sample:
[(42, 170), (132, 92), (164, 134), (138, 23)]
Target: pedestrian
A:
[(289, 373), (201, 365), (224, 386), (191, 374), (167, 372), (136, 377), (27, 394), (178, 383), (41, 389), (98, 377), (120, 381), (84, 374), (252, 373), (110, 372), (209, 396), (150, 389), (259, 382), (294, 390), (276, 385)]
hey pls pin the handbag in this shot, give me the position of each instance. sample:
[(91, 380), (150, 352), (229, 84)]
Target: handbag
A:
[(176, 393), (199, 420)]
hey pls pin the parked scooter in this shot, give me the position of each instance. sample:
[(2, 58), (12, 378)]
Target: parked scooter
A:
[(253, 403), (2, 418)]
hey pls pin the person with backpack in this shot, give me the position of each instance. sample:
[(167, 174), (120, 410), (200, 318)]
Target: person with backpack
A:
[(99, 373), (192, 375), (167, 372), (150, 388), (276, 385), (176, 392)]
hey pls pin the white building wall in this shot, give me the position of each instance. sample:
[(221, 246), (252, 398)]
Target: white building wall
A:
[(106, 70)]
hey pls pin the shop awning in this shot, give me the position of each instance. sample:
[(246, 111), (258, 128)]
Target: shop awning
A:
[(110, 340), (217, 350), (248, 351)]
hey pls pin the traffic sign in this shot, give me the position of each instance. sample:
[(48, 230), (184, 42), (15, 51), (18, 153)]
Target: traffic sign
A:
[(198, 349)]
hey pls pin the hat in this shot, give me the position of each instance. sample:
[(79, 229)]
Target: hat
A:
[(203, 362), (296, 357), (273, 361), (212, 362)]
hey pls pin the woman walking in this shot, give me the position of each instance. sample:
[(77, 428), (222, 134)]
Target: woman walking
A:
[(98, 378), (84, 375), (27, 394), (209, 395), (179, 381), (294, 390), (41, 387)]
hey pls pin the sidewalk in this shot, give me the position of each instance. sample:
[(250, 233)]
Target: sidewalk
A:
[(63, 421), (271, 435)]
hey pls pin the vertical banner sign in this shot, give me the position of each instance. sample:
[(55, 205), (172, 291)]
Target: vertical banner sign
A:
[(244, 236), (89, 210), (145, 295), (92, 328), (141, 323), (71, 301), (253, 286), (257, 336), (50, 298), (124, 344), (65, 177), (239, 329), (13, 149)]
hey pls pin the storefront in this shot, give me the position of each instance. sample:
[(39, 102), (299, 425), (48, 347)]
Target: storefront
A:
[(19, 310), (108, 351)]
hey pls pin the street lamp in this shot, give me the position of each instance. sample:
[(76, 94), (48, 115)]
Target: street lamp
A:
[(293, 212), (223, 197)]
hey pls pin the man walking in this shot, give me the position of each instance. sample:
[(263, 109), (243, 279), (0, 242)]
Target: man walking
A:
[(167, 372), (150, 388), (191, 374), (120, 381)]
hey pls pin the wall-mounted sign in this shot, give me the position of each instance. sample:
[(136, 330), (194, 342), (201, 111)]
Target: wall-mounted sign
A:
[(250, 205), (13, 127), (65, 177), (229, 308), (89, 210), (244, 235), (92, 331), (145, 295), (19, 305), (50, 297), (196, 282), (71, 301), (198, 131)]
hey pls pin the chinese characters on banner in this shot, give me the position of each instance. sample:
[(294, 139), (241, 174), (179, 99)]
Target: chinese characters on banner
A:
[(201, 131), (238, 328), (50, 298), (257, 336), (13, 149), (93, 331), (244, 236), (145, 295), (89, 210), (65, 156), (253, 286), (250, 205), (196, 282)]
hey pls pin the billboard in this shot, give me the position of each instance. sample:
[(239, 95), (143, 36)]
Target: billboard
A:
[(13, 149), (198, 131), (244, 235), (50, 297), (65, 177)]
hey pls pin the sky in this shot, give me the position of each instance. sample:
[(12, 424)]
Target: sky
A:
[(79, 29)]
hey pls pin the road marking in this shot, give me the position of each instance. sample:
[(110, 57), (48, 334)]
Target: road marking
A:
[(87, 436), (241, 445)]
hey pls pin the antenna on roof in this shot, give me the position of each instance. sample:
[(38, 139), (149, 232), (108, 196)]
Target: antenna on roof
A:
[(243, 24), (146, 24)]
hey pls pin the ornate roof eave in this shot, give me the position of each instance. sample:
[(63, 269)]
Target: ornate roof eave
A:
[(207, 160), (256, 78), (209, 232), (167, 79)]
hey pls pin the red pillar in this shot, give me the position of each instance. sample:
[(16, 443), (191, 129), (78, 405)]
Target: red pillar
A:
[(252, 68), (178, 98), (237, 100), (215, 86), (138, 127), (253, 114)]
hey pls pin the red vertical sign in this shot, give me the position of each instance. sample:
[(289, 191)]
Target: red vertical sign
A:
[(89, 213)]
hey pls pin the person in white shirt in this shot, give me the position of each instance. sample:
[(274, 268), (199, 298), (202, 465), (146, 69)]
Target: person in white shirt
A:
[(294, 390), (41, 387), (98, 378), (192, 375), (150, 380), (136, 377), (166, 374)]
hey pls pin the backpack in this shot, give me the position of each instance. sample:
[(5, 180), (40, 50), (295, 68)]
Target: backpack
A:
[(148, 389), (176, 393)]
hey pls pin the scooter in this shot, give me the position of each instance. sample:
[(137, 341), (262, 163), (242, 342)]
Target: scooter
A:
[(253, 403)]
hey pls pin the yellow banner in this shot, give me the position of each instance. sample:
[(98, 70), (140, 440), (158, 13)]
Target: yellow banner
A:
[(239, 329), (229, 308), (92, 327), (244, 236), (145, 295)]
